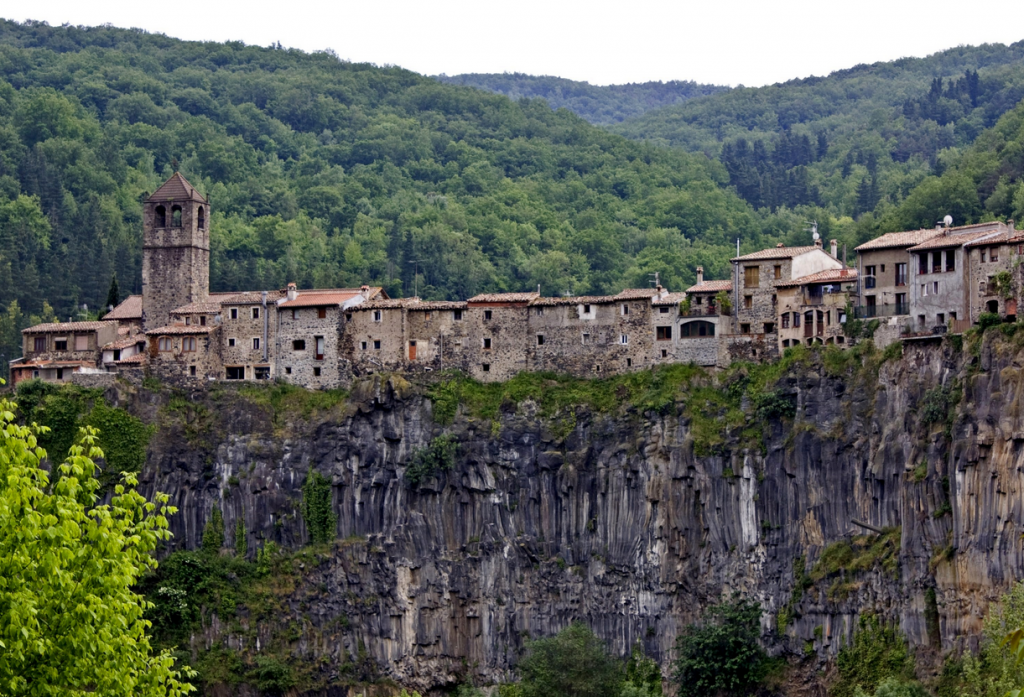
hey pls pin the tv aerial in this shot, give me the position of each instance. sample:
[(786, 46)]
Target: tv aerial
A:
[(814, 230)]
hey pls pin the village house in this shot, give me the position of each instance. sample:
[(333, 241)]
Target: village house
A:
[(248, 332), (53, 351), (883, 267), (702, 319), (940, 278), (989, 273), (812, 309)]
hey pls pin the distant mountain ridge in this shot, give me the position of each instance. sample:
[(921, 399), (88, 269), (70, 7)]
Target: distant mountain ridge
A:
[(597, 104)]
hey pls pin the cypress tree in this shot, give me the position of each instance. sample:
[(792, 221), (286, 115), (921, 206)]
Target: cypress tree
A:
[(114, 294)]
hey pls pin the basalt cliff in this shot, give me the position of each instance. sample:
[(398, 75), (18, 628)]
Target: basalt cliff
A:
[(628, 518)]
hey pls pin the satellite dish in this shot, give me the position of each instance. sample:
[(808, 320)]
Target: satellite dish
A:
[(948, 220), (816, 236)]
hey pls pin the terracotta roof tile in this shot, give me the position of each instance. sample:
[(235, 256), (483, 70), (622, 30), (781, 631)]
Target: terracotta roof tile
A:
[(127, 342), (826, 276), (45, 363), (135, 359), (891, 240), (66, 327), (252, 297), (778, 253), (637, 293), (129, 308), (954, 240), (711, 287), (578, 300), (511, 298), (334, 296), (175, 329), (429, 305), (177, 188), (389, 304), (1005, 237)]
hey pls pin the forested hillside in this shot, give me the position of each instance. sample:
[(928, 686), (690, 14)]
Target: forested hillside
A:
[(595, 103), (327, 173), (856, 141)]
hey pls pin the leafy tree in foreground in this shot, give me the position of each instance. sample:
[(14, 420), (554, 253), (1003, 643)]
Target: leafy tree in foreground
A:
[(574, 663), (720, 654), (70, 623)]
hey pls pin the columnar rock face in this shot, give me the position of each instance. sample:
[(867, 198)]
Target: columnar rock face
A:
[(616, 520)]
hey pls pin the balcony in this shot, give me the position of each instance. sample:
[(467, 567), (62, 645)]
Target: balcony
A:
[(872, 311), (700, 311)]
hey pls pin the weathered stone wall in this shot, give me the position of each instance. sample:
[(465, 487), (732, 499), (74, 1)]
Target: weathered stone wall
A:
[(507, 330), (175, 262), (620, 521), (588, 344), (176, 366), (300, 366), (927, 303), (246, 328), (360, 335), (762, 298), (979, 289)]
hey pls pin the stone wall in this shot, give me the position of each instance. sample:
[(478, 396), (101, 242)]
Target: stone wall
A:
[(612, 338), (979, 289), (929, 307), (246, 328), (373, 338), (175, 262), (180, 366), (297, 362)]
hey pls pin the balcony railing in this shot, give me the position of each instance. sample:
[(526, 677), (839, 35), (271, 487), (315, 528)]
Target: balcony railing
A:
[(700, 311)]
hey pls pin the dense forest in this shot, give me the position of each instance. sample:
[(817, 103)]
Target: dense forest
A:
[(597, 104), (854, 142), (330, 173)]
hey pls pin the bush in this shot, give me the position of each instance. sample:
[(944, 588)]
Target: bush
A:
[(878, 652), (213, 533), (318, 508), (721, 654), (438, 456), (989, 319), (574, 662)]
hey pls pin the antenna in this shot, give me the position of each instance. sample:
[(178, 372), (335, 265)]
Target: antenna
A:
[(814, 230), (415, 277), (656, 281)]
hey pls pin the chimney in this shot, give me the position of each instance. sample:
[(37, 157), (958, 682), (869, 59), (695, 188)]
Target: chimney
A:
[(938, 226), (817, 243), (835, 248), (700, 275), (293, 291), (365, 290), (779, 245), (1009, 224)]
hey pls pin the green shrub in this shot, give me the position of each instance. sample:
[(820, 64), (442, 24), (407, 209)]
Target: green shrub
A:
[(774, 405), (438, 456), (721, 654), (878, 652), (272, 675), (213, 532), (318, 508), (989, 319), (241, 541), (893, 352), (574, 662), (643, 675)]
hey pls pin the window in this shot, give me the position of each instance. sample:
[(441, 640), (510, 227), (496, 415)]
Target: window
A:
[(319, 343), (362, 345), (202, 320), (255, 343), (664, 353), (586, 338), (629, 362), (160, 217), (901, 274), (457, 315), (60, 373), (231, 342), (952, 316), (348, 316), (262, 372), (935, 287), (983, 256), (775, 300), (188, 343), (82, 342), (951, 259), (993, 255), (376, 315), (487, 344), (175, 216), (202, 218), (192, 371), (869, 276), (940, 318), (540, 339), (376, 344), (586, 309), (924, 290), (295, 313), (316, 372), (321, 313), (234, 313), (625, 309), (748, 301), (663, 333), (288, 370), (769, 327), (164, 343), (697, 329), (920, 320), (778, 272), (117, 354), (540, 311), (663, 310), (983, 287), (39, 344), (751, 276), (623, 339), (487, 314), (235, 372), (486, 367), (188, 321), (922, 262), (426, 316), (785, 320), (255, 313), (60, 344), (901, 304), (796, 320)]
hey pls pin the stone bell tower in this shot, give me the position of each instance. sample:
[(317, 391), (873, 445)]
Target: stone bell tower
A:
[(175, 250)]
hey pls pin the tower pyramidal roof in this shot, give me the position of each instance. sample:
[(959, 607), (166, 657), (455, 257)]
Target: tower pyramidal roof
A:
[(177, 188)]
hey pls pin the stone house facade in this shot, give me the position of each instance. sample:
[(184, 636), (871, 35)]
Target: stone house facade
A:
[(179, 352), (883, 267), (989, 274), (53, 351), (249, 331), (812, 309)]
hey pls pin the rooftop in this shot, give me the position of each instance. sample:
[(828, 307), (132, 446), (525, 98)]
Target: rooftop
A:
[(126, 342), (503, 298), (711, 287), (778, 253), (207, 308), (332, 296), (129, 308), (639, 293), (956, 239), (175, 329), (177, 188), (892, 240), (252, 297), (826, 276), (669, 299), (66, 327)]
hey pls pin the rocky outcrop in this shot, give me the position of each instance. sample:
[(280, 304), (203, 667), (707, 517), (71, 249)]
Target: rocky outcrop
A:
[(612, 518)]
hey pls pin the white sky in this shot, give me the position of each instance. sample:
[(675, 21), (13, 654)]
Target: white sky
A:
[(715, 41)]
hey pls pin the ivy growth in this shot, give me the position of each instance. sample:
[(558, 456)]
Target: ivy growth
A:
[(213, 533), (318, 508), (438, 456)]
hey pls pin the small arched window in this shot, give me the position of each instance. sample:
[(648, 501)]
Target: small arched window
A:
[(202, 218), (175, 216), (160, 215), (697, 329)]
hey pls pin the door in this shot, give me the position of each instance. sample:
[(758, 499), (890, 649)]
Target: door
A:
[(412, 350), (809, 323)]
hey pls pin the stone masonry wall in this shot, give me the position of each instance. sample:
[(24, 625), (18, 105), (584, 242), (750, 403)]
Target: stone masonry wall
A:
[(246, 328), (300, 366), (175, 262)]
